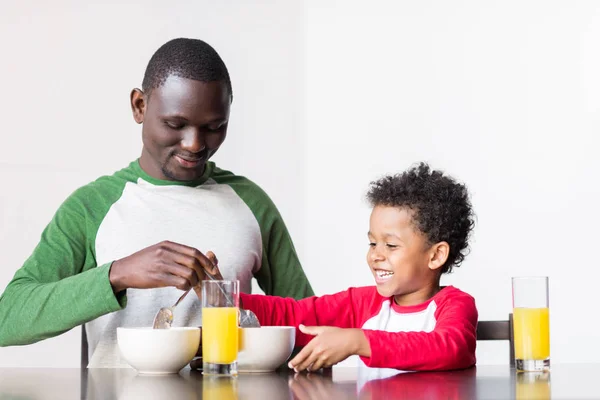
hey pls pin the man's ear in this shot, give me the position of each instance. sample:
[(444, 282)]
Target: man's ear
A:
[(138, 102), (438, 254)]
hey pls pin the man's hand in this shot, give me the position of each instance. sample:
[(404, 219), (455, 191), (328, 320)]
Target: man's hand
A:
[(329, 346), (161, 265), (214, 272)]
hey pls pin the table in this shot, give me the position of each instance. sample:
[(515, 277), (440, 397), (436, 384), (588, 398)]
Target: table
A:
[(566, 381)]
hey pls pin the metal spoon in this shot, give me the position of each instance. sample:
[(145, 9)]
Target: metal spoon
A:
[(164, 316), (248, 319)]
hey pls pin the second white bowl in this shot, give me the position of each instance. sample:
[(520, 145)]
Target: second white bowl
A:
[(266, 348)]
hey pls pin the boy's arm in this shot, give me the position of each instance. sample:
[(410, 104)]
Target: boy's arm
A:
[(331, 310), (59, 286), (451, 345)]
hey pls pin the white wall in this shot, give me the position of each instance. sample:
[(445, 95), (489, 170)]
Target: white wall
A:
[(503, 95), (331, 95), (68, 69)]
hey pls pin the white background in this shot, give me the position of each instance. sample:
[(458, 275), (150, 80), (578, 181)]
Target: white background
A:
[(329, 96)]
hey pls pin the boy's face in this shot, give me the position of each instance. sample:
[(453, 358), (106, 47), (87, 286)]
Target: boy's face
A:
[(399, 256)]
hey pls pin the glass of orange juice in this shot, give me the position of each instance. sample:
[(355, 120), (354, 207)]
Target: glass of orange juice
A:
[(220, 301), (531, 323)]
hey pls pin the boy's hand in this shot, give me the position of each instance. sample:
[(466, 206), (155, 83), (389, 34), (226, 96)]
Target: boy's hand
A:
[(329, 346)]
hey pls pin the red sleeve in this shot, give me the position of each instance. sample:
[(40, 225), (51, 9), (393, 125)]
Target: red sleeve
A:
[(451, 344), (331, 310)]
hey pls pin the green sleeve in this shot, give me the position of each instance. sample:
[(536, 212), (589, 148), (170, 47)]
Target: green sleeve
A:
[(280, 273), (59, 286)]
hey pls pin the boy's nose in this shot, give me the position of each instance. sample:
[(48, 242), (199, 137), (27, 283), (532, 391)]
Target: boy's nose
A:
[(375, 255)]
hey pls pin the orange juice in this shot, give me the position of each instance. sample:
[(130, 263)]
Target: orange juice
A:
[(219, 334), (532, 333)]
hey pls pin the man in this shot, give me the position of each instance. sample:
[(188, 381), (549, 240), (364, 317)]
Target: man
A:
[(120, 247)]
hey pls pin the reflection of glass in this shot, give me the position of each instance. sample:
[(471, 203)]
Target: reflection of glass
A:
[(219, 388), (535, 385), (220, 301), (531, 323)]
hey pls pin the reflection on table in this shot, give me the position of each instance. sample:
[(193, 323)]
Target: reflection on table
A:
[(483, 382)]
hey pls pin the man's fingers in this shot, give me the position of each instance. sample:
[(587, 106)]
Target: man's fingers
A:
[(191, 252), (212, 257), (166, 278), (190, 263), (189, 274), (194, 258), (215, 270)]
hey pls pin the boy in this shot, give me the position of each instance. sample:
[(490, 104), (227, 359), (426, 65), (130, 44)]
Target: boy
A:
[(419, 229)]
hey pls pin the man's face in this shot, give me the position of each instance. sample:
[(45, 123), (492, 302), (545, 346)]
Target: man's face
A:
[(184, 124)]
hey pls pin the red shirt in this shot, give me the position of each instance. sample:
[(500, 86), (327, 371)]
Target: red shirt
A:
[(439, 334)]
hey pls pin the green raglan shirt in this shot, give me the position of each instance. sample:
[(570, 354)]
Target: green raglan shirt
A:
[(64, 283)]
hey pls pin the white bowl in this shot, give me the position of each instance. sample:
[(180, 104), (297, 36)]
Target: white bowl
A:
[(158, 351), (266, 348)]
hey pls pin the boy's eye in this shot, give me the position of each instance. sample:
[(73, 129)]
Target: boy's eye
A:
[(371, 244), (391, 246)]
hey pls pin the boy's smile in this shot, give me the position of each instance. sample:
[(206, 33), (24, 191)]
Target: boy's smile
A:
[(400, 257), (382, 276)]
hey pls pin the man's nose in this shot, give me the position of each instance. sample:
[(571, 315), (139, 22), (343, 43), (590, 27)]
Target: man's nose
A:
[(193, 140)]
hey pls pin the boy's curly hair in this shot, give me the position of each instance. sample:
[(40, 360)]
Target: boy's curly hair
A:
[(440, 207)]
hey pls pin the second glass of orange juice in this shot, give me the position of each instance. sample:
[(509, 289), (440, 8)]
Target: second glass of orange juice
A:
[(531, 323), (220, 301)]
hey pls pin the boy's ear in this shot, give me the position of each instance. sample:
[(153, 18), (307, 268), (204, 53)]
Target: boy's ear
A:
[(438, 254)]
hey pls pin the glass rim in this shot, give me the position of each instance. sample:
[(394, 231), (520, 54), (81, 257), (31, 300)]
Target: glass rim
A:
[(220, 281), (530, 277)]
